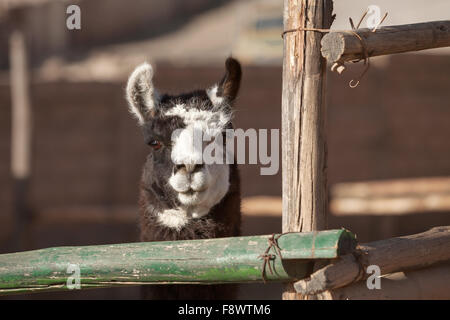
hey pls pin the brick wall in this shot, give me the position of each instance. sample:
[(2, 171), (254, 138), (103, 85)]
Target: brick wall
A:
[(88, 151)]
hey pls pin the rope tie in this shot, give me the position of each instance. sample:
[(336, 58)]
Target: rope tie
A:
[(358, 255), (267, 257), (352, 84)]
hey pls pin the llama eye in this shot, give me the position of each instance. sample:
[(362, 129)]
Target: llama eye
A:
[(155, 144)]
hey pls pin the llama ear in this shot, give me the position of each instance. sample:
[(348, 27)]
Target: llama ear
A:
[(228, 87), (141, 95)]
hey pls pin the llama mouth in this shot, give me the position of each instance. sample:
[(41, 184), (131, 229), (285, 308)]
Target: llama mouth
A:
[(190, 197), (191, 192)]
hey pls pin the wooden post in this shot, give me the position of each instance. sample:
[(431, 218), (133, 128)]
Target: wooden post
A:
[(303, 120), (21, 124), (345, 46)]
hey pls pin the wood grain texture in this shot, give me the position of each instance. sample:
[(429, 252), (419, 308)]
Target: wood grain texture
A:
[(303, 119), (391, 255), (432, 283), (342, 46), (209, 261)]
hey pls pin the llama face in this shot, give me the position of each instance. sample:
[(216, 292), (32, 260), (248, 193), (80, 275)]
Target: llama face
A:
[(185, 186)]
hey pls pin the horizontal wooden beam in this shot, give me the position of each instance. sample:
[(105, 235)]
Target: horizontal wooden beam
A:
[(391, 187), (343, 46), (432, 283), (389, 206), (225, 260), (391, 255), (391, 197)]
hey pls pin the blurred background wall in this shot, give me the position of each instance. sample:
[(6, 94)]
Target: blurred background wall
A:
[(87, 152)]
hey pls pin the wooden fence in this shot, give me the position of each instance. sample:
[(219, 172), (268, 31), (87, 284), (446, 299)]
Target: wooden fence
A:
[(305, 203), (240, 259)]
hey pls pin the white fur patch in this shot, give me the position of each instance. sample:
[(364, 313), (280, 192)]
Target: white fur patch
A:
[(188, 144), (212, 94), (173, 218), (217, 188), (180, 182), (214, 121), (203, 190), (199, 191)]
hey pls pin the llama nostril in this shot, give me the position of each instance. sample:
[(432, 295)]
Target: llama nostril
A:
[(198, 167), (189, 168)]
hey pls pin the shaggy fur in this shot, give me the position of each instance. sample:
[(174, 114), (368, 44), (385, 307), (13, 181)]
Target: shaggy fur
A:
[(159, 116), (222, 221)]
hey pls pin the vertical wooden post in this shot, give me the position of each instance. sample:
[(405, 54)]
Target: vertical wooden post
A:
[(304, 147), (21, 125)]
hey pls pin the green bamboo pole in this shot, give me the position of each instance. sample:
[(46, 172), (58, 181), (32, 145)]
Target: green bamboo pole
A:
[(224, 260)]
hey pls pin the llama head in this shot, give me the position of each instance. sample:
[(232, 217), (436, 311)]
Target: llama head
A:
[(173, 125)]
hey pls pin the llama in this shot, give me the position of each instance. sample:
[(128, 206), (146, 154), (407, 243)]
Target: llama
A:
[(182, 198)]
